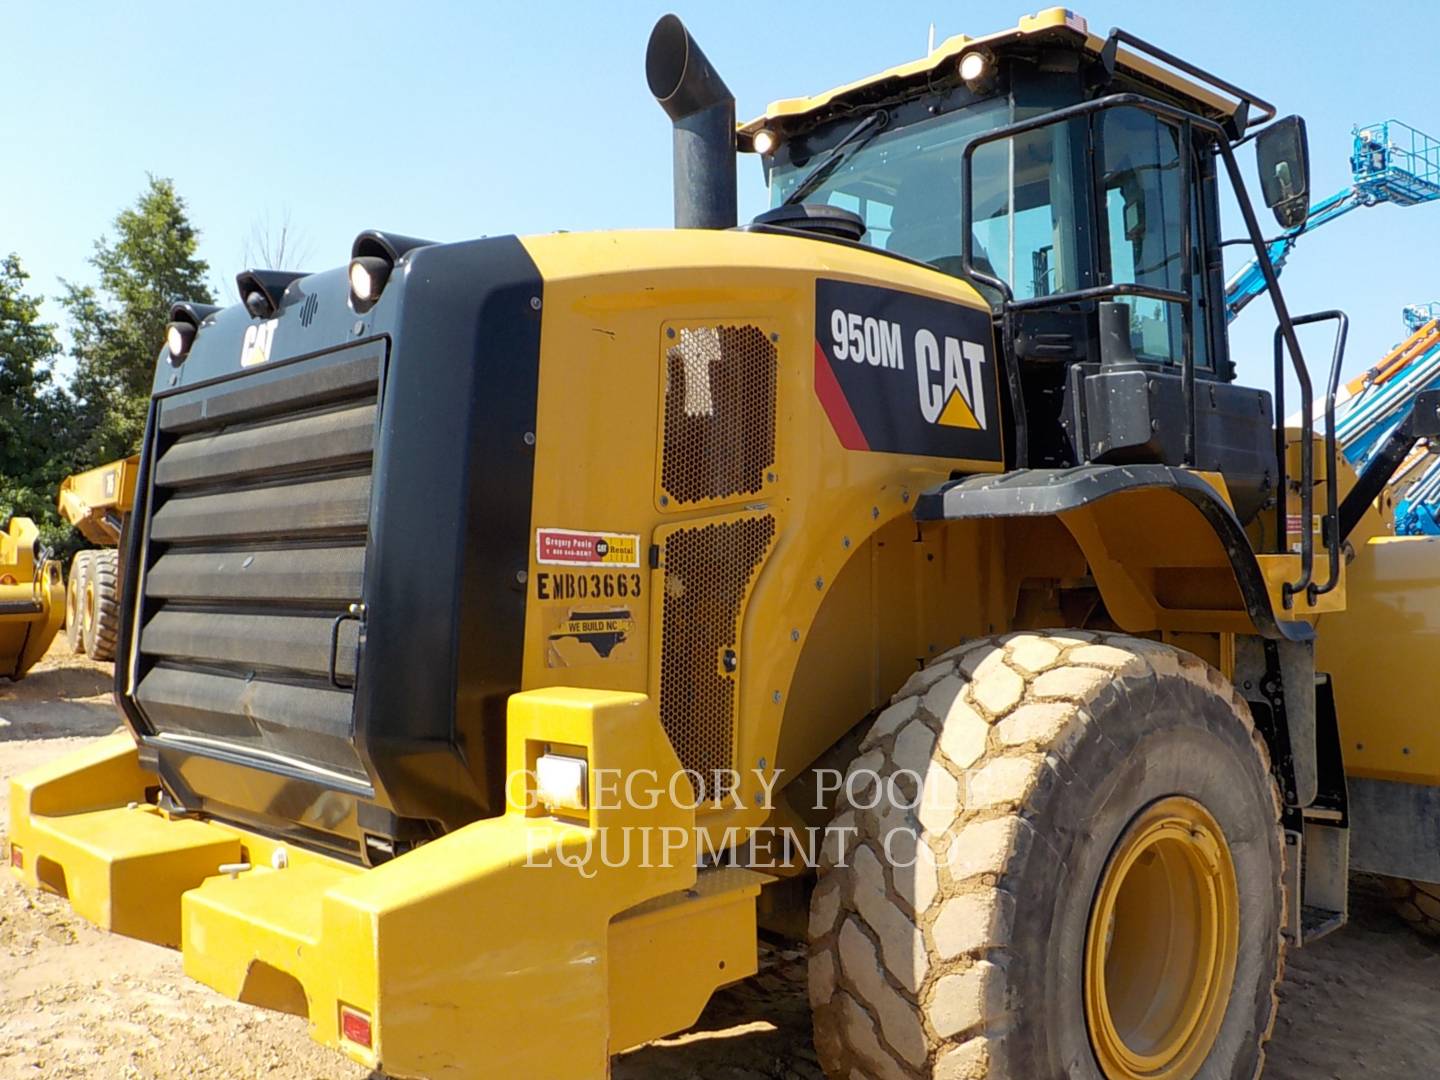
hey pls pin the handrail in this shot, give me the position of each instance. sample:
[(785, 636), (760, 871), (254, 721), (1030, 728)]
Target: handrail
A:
[(1007, 315), (1109, 54), (1102, 292), (1177, 115), (1329, 523), (1332, 481)]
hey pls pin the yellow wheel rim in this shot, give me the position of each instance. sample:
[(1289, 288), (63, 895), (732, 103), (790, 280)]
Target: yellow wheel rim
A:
[(1161, 947)]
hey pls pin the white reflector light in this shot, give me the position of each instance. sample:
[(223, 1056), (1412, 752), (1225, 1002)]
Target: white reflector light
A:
[(560, 782)]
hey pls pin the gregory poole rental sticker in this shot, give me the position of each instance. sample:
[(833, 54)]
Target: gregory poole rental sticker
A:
[(569, 547)]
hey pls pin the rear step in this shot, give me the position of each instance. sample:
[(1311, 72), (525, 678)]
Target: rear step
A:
[(1317, 868), (1320, 922)]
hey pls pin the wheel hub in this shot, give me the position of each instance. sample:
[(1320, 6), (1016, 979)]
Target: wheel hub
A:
[(1161, 947)]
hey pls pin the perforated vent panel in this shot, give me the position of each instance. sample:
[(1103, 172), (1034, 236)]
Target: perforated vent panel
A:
[(708, 573), (719, 414)]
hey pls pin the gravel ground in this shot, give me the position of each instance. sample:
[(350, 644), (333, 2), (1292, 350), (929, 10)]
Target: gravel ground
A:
[(75, 1002)]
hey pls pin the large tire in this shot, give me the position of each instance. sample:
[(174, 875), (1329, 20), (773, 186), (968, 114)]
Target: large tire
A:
[(102, 606), (75, 600), (1418, 903), (1049, 760)]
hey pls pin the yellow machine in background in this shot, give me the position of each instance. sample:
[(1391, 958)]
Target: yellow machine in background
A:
[(97, 502), (31, 600), (514, 627)]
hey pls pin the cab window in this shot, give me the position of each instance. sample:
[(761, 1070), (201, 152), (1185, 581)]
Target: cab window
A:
[(1025, 210), (1140, 194), (904, 183)]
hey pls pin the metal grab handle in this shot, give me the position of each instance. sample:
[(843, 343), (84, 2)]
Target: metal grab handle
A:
[(355, 614), (1329, 527), (1332, 481)]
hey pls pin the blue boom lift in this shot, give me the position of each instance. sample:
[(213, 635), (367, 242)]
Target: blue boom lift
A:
[(1417, 315), (1371, 405), (1391, 162), (1380, 400)]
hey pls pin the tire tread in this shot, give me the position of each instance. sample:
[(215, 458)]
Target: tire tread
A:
[(102, 635), (1031, 690)]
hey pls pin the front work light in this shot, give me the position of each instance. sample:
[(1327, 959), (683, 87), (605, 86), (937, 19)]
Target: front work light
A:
[(977, 68), (368, 274), (179, 336), (765, 141)]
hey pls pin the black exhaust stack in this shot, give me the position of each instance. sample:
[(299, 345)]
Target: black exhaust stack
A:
[(702, 110)]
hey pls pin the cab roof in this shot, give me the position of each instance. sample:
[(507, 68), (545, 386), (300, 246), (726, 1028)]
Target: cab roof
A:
[(1053, 25)]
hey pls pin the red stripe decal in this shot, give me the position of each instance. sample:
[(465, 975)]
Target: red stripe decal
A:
[(832, 399)]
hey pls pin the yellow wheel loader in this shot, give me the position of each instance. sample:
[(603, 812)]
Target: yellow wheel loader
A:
[(512, 629), (31, 598), (97, 502)]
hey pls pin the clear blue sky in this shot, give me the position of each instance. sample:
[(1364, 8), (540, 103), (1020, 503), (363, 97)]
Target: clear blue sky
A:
[(453, 120)]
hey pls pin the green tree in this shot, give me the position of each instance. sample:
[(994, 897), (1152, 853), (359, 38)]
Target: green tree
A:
[(34, 411), (119, 327)]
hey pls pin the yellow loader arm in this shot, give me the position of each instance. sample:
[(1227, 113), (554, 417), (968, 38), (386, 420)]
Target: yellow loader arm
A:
[(98, 500), (32, 598)]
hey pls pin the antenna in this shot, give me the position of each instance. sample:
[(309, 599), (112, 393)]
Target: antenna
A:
[(930, 42)]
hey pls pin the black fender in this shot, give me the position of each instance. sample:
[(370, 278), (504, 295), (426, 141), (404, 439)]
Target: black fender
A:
[(1024, 493)]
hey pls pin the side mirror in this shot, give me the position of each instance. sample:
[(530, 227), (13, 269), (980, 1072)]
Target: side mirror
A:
[(1283, 154)]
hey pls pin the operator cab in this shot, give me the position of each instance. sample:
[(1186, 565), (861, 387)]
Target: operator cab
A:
[(1090, 222), (1031, 210)]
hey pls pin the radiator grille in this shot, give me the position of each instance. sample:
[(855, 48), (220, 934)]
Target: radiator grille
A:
[(708, 575), (257, 538), (719, 436)]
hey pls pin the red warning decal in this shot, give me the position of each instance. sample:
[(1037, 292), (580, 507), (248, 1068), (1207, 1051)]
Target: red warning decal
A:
[(572, 547)]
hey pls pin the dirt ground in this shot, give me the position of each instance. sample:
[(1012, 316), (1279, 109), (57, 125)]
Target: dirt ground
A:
[(78, 1003)]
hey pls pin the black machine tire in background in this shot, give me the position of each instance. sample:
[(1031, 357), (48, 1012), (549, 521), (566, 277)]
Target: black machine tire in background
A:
[(968, 936), (75, 587), (102, 626), (1417, 902)]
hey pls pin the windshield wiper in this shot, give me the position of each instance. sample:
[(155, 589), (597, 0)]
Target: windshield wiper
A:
[(857, 137)]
